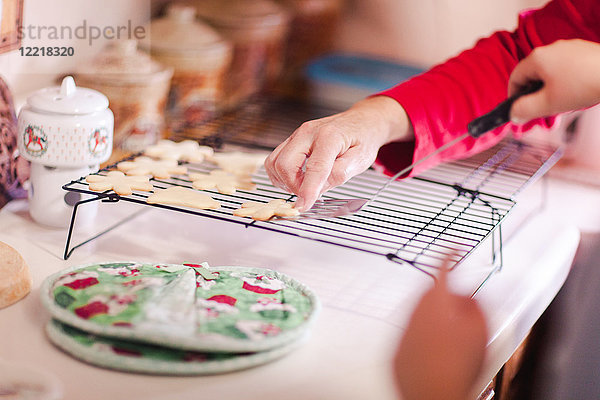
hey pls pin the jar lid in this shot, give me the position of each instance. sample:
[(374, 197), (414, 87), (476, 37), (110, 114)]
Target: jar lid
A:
[(68, 99), (180, 31), (241, 13), (120, 62), (313, 6)]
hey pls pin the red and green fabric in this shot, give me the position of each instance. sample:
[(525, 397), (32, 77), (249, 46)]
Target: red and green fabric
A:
[(151, 359), (187, 306)]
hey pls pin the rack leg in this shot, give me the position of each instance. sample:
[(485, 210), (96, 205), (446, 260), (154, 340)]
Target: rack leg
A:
[(67, 253), (500, 256)]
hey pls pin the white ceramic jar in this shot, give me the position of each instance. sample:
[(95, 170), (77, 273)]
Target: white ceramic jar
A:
[(66, 132)]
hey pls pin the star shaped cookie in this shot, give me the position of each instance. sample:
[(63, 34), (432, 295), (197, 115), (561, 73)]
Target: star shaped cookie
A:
[(161, 169), (182, 196), (225, 182), (265, 211), (119, 182), (186, 150)]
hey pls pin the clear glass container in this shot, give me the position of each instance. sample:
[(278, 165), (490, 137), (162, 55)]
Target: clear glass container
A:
[(199, 57), (257, 31), (312, 32)]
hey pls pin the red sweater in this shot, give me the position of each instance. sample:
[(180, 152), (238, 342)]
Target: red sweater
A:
[(442, 101)]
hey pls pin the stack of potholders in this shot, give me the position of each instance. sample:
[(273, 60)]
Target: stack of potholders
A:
[(188, 319)]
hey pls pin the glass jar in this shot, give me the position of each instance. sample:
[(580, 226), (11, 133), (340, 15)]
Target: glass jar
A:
[(199, 57), (137, 89), (257, 31), (311, 34)]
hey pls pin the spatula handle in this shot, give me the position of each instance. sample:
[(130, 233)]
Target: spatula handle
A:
[(498, 116), (501, 114)]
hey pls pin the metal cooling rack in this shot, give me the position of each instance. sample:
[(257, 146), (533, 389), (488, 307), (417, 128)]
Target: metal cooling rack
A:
[(261, 124), (450, 209)]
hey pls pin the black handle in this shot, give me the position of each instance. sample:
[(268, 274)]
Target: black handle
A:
[(501, 114)]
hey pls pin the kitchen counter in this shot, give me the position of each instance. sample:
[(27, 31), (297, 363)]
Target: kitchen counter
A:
[(366, 299)]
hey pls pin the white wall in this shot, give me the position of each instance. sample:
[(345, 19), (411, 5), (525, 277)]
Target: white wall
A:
[(424, 32), (417, 31), (25, 74)]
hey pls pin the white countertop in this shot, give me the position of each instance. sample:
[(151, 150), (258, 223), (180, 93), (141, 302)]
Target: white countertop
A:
[(366, 299)]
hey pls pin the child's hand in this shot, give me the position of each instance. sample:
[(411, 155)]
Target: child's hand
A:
[(442, 350), (569, 70)]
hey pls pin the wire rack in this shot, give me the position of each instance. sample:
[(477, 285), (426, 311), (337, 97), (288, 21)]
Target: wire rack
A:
[(446, 211), (261, 124)]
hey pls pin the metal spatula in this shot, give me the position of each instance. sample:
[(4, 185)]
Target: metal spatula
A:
[(500, 115)]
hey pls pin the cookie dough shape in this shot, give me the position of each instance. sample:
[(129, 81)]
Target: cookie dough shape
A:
[(185, 197), (186, 150), (265, 211), (119, 182), (15, 279), (161, 169), (225, 182), (151, 359), (237, 162), (238, 309)]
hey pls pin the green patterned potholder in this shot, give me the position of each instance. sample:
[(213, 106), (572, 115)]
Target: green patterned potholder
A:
[(150, 359), (185, 306)]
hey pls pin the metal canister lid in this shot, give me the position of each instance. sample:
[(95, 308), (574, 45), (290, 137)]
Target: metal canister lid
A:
[(310, 7), (258, 16)]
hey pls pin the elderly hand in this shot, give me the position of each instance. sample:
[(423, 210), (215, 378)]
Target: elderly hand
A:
[(326, 152), (570, 72), (442, 351)]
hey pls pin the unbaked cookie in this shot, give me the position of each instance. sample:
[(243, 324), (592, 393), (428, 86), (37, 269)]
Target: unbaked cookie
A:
[(161, 169), (181, 196), (225, 182), (237, 162), (119, 182), (187, 150), (265, 211)]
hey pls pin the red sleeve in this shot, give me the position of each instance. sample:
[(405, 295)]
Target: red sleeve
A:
[(442, 101)]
